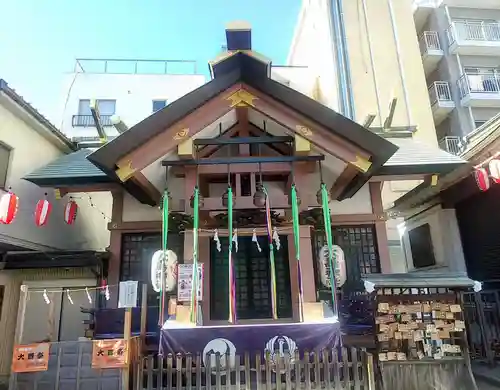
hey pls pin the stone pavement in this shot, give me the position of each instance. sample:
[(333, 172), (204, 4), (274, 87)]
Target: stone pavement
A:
[(487, 378)]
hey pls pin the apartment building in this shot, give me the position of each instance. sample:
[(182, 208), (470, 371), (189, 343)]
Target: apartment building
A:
[(364, 59), (131, 90), (460, 46)]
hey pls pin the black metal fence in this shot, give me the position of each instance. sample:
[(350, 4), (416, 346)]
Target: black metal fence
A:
[(482, 319)]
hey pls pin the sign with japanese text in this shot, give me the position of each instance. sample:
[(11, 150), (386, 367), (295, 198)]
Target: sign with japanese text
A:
[(127, 296), (185, 282), (110, 353), (30, 357)]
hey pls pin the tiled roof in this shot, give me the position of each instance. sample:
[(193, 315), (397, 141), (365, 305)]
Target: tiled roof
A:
[(68, 169), (413, 152)]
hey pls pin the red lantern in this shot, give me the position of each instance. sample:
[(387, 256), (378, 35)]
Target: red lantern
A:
[(9, 204), (494, 167), (70, 211), (482, 179), (42, 212)]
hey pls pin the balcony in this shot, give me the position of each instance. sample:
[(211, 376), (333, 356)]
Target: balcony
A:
[(480, 90), (88, 121), (431, 51), (451, 144), (474, 37), (441, 101), (421, 11)]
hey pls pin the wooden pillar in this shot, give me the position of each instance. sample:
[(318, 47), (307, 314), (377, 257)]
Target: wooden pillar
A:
[(380, 227), (189, 184), (307, 267), (115, 245)]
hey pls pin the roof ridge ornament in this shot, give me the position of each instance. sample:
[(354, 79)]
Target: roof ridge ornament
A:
[(241, 98)]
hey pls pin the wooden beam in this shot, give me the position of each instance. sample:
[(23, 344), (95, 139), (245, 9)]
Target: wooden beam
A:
[(89, 188), (242, 118), (155, 226), (380, 227), (310, 130), (278, 168), (241, 160), (148, 187), (179, 132), (208, 150), (343, 181)]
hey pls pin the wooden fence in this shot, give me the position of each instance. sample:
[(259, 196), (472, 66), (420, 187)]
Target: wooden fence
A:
[(342, 368)]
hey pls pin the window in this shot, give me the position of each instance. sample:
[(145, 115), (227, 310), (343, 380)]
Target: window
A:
[(421, 247), (137, 251), (4, 164), (479, 123), (252, 273), (158, 105), (84, 117)]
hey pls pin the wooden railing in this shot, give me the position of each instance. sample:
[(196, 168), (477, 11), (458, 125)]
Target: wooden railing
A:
[(342, 368)]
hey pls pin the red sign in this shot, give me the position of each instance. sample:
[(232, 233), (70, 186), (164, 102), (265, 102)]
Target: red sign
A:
[(30, 357), (111, 353)]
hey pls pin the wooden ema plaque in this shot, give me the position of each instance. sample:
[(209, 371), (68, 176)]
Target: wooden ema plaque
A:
[(425, 329)]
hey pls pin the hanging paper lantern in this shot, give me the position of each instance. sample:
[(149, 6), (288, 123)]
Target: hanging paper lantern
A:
[(225, 197), (482, 179), (259, 198), (42, 212), (324, 266), (201, 201), (494, 168), (9, 204), (70, 211), (170, 268)]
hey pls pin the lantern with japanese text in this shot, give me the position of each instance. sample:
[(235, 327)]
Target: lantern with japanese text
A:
[(494, 168), (42, 212), (482, 179), (339, 264), (70, 211), (9, 203)]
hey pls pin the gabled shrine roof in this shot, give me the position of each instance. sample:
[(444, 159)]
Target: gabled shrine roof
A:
[(244, 67)]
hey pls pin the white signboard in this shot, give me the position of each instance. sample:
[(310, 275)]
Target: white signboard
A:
[(185, 282), (128, 294)]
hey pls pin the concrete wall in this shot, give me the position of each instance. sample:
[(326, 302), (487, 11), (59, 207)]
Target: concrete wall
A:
[(313, 46), (31, 150), (445, 240), (134, 94)]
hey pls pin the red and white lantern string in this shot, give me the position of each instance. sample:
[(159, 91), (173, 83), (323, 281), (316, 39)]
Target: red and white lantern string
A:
[(42, 212), (9, 204), (70, 211), (494, 168), (484, 176), (482, 179)]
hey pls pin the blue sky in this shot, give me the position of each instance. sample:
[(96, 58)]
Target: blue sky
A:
[(39, 40)]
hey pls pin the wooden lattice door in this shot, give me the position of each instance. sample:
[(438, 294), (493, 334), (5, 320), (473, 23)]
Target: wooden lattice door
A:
[(253, 283)]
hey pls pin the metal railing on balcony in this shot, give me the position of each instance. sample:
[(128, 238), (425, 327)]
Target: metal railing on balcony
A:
[(451, 144), (481, 82), (135, 66), (429, 40), (88, 120), (439, 91), (473, 30)]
